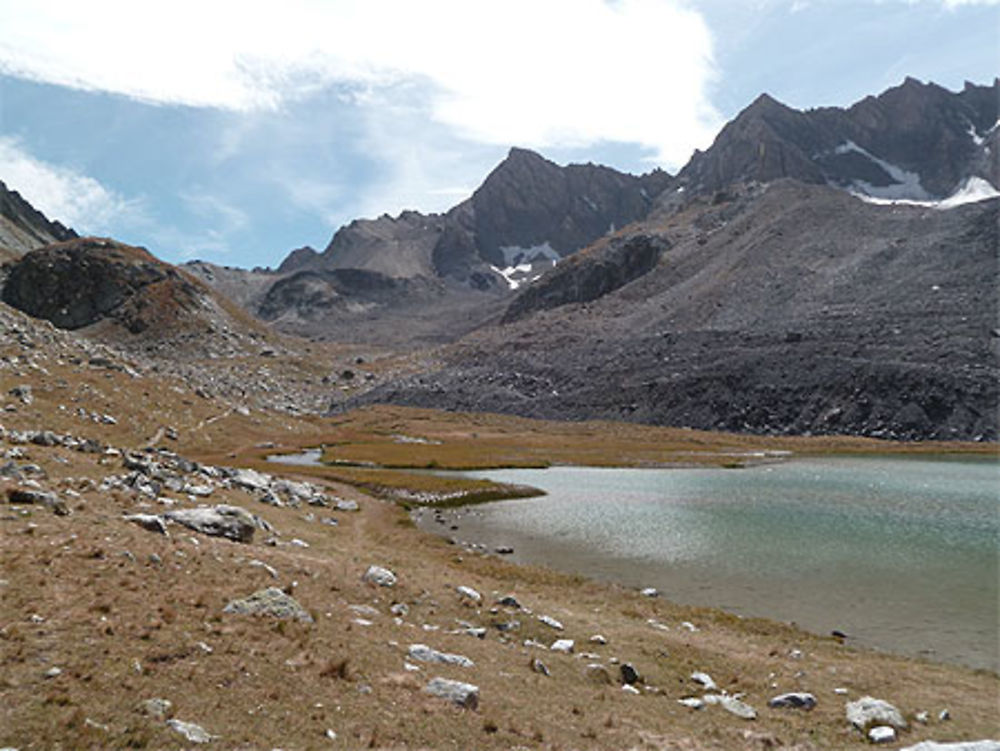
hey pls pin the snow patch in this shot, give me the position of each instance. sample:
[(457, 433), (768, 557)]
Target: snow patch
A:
[(973, 190), (906, 187), (976, 138)]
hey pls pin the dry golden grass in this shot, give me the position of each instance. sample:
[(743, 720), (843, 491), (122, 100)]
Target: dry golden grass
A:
[(123, 627)]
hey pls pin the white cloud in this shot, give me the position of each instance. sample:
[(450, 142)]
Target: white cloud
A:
[(559, 72), (64, 195)]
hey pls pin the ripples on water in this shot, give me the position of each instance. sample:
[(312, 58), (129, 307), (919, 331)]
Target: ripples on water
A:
[(901, 553)]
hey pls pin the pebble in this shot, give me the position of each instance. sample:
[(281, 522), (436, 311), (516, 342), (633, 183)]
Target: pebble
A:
[(795, 700), (562, 645), (882, 734), (598, 639), (469, 593), (379, 576), (550, 622)]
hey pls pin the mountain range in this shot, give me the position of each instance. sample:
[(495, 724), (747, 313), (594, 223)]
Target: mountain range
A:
[(821, 271)]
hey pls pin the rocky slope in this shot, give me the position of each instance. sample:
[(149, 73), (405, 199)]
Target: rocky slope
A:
[(24, 228), (785, 308)]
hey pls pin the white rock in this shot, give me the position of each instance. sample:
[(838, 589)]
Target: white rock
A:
[(469, 593), (463, 694), (426, 654), (379, 576), (563, 645), (689, 626), (629, 689), (882, 734), (868, 711), (598, 639), (551, 622), (692, 702), (191, 732), (705, 680), (649, 592)]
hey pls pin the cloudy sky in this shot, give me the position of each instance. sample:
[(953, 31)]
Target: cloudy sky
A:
[(236, 130)]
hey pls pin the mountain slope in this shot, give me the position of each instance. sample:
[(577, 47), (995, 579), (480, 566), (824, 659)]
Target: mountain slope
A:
[(24, 228), (915, 140), (788, 308)]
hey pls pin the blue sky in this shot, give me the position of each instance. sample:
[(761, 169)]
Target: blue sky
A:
[(236, 131)]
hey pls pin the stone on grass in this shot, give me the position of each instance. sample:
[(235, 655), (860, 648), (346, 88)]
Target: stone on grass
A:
[(882, 734), (469, 593), (867, 711), (550, 622), (250, 479), (563, 645), (191, 732), (426, 654), (158, 709), (739, 708), (598, 639), (381, 577), (346, 505), (150, 522), (794, 700), (231, 522), (509, 601), (464, 695), (629, 674), (51, 501), (270, 602), (649, 592), (705, 680)]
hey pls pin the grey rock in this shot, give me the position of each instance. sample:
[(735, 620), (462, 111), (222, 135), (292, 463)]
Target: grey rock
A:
[(426, 654), (22, 392), (269, 602), (231, 522), (794, 700), (343, 504), (150, 522), (191, 732), (732, 705), (250, 479), (465, 695), (379, 576), (867, 712), (38, 497), (509, 601)]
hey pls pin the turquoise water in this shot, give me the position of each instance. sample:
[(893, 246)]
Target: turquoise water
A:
[(901, 554)]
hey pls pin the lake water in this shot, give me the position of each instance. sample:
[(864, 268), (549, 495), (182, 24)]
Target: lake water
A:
[(901, 554)]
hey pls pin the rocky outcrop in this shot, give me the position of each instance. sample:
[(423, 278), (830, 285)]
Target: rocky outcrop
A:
[(87, 280), (590, 275)]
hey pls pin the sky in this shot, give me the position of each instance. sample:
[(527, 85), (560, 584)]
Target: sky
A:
[(234, 131)]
